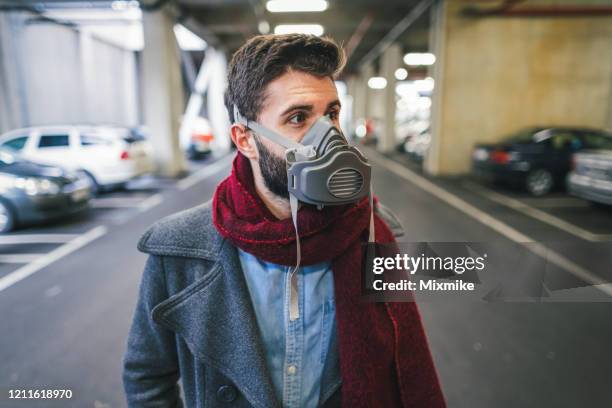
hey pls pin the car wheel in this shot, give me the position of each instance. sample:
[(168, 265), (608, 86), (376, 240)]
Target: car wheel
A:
[(539, 182), (7, 219), (94, 187)]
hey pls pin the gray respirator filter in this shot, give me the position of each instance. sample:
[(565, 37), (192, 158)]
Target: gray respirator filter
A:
[(321, 170)]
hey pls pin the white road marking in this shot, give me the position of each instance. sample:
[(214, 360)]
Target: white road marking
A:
[(116, 202), (537, 214), (150, 202), (200, 175), (19, 258), (47, 259), (491, 222), (36, 239)]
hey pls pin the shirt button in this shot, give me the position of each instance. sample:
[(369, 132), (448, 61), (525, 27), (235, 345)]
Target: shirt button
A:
[(227, 393), (291, 370)]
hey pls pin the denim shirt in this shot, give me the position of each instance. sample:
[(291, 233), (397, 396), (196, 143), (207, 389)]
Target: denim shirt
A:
[(295, 351)]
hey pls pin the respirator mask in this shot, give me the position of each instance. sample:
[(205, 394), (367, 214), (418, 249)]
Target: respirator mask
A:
[(321, 170)]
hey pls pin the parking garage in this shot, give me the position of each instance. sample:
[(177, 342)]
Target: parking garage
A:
[(484, 122)]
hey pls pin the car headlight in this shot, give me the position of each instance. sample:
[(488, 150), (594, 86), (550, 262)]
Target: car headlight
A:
[(36, 186)]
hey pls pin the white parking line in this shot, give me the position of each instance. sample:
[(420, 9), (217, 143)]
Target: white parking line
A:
[(47, 259), (19, 258), (491, 222), (200, 175), (150, 202), (116, 202), (36, 239), (537, 214)]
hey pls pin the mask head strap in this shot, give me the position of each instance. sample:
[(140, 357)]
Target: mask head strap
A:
[(267, 133)]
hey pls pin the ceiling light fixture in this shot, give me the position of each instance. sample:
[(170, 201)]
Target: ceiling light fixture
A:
[(377, 83), (314, 29), (419, 58), (263, 27), (401, 74), (296, 6)]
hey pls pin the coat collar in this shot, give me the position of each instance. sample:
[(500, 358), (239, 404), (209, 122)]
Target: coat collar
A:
[(227, 337)]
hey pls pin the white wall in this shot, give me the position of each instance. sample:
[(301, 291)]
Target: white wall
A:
[(60, 75)]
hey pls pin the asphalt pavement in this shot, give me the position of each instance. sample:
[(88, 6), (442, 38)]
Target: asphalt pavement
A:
[(66, 306)]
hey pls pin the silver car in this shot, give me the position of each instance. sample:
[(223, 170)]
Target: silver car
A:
[(591, 178)]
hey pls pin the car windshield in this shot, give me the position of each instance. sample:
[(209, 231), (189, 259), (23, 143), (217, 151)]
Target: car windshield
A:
[(529, 135)]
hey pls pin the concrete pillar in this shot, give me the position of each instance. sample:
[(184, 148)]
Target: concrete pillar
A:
[(360, 96), (13, 96), (162, 91), (351, 88), (494, 76), (374, 101), (391, 60)]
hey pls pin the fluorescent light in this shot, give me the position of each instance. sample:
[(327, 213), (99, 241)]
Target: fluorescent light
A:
[(293, 6), (263, 27), (314, 29), (419, 58), (401, 74), (425, 85), (377, 83), (187, 40)]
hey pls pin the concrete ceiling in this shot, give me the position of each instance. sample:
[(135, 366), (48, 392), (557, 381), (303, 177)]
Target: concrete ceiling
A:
[(232, 22), (358, 25)]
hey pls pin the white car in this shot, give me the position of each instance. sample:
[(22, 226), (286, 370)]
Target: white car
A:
[(109, 156)]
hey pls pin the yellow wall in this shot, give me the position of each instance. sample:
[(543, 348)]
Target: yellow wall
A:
[(496, 75)]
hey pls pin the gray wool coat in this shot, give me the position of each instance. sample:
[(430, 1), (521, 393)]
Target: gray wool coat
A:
[(194, 322)]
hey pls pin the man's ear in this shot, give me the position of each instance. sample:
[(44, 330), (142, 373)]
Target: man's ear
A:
[(244, 141)]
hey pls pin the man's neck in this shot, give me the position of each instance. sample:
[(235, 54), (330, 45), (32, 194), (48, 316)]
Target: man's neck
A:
[(278, 206)]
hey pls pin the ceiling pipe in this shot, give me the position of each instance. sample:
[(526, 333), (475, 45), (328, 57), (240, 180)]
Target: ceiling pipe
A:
[(508, 9), (396, 31), (358, 35)]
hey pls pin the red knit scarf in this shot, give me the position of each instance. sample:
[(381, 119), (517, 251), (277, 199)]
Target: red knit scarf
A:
[(384, 357)]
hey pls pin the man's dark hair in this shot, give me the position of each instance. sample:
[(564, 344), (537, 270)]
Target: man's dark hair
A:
[(266, 57)]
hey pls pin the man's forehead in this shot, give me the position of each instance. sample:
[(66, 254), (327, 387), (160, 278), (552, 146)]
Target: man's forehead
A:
[(299, 87)]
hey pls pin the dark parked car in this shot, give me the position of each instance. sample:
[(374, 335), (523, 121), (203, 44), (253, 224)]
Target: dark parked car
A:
[(31, 192), (537, 158), (591, 178)]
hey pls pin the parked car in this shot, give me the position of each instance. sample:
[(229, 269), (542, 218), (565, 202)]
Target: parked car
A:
[(365, 131), (109, 156), (591, 178), (418, 145), (31, 192), (407, 130), (200, 145), (537, 158)]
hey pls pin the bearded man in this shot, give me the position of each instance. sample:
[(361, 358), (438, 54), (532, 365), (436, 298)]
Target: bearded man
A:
[(223, 306)]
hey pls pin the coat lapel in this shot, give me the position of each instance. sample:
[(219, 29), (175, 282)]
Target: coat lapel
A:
[(216, 319)]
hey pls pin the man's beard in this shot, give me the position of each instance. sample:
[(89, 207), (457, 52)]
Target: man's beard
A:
[(273, 170)]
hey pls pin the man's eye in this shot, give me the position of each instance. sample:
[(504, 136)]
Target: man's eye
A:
[(298, 118), (333, 115)]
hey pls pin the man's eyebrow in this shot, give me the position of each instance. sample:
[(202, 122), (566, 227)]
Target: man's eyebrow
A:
[(296, 107), (333, 104), (309, 107)]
